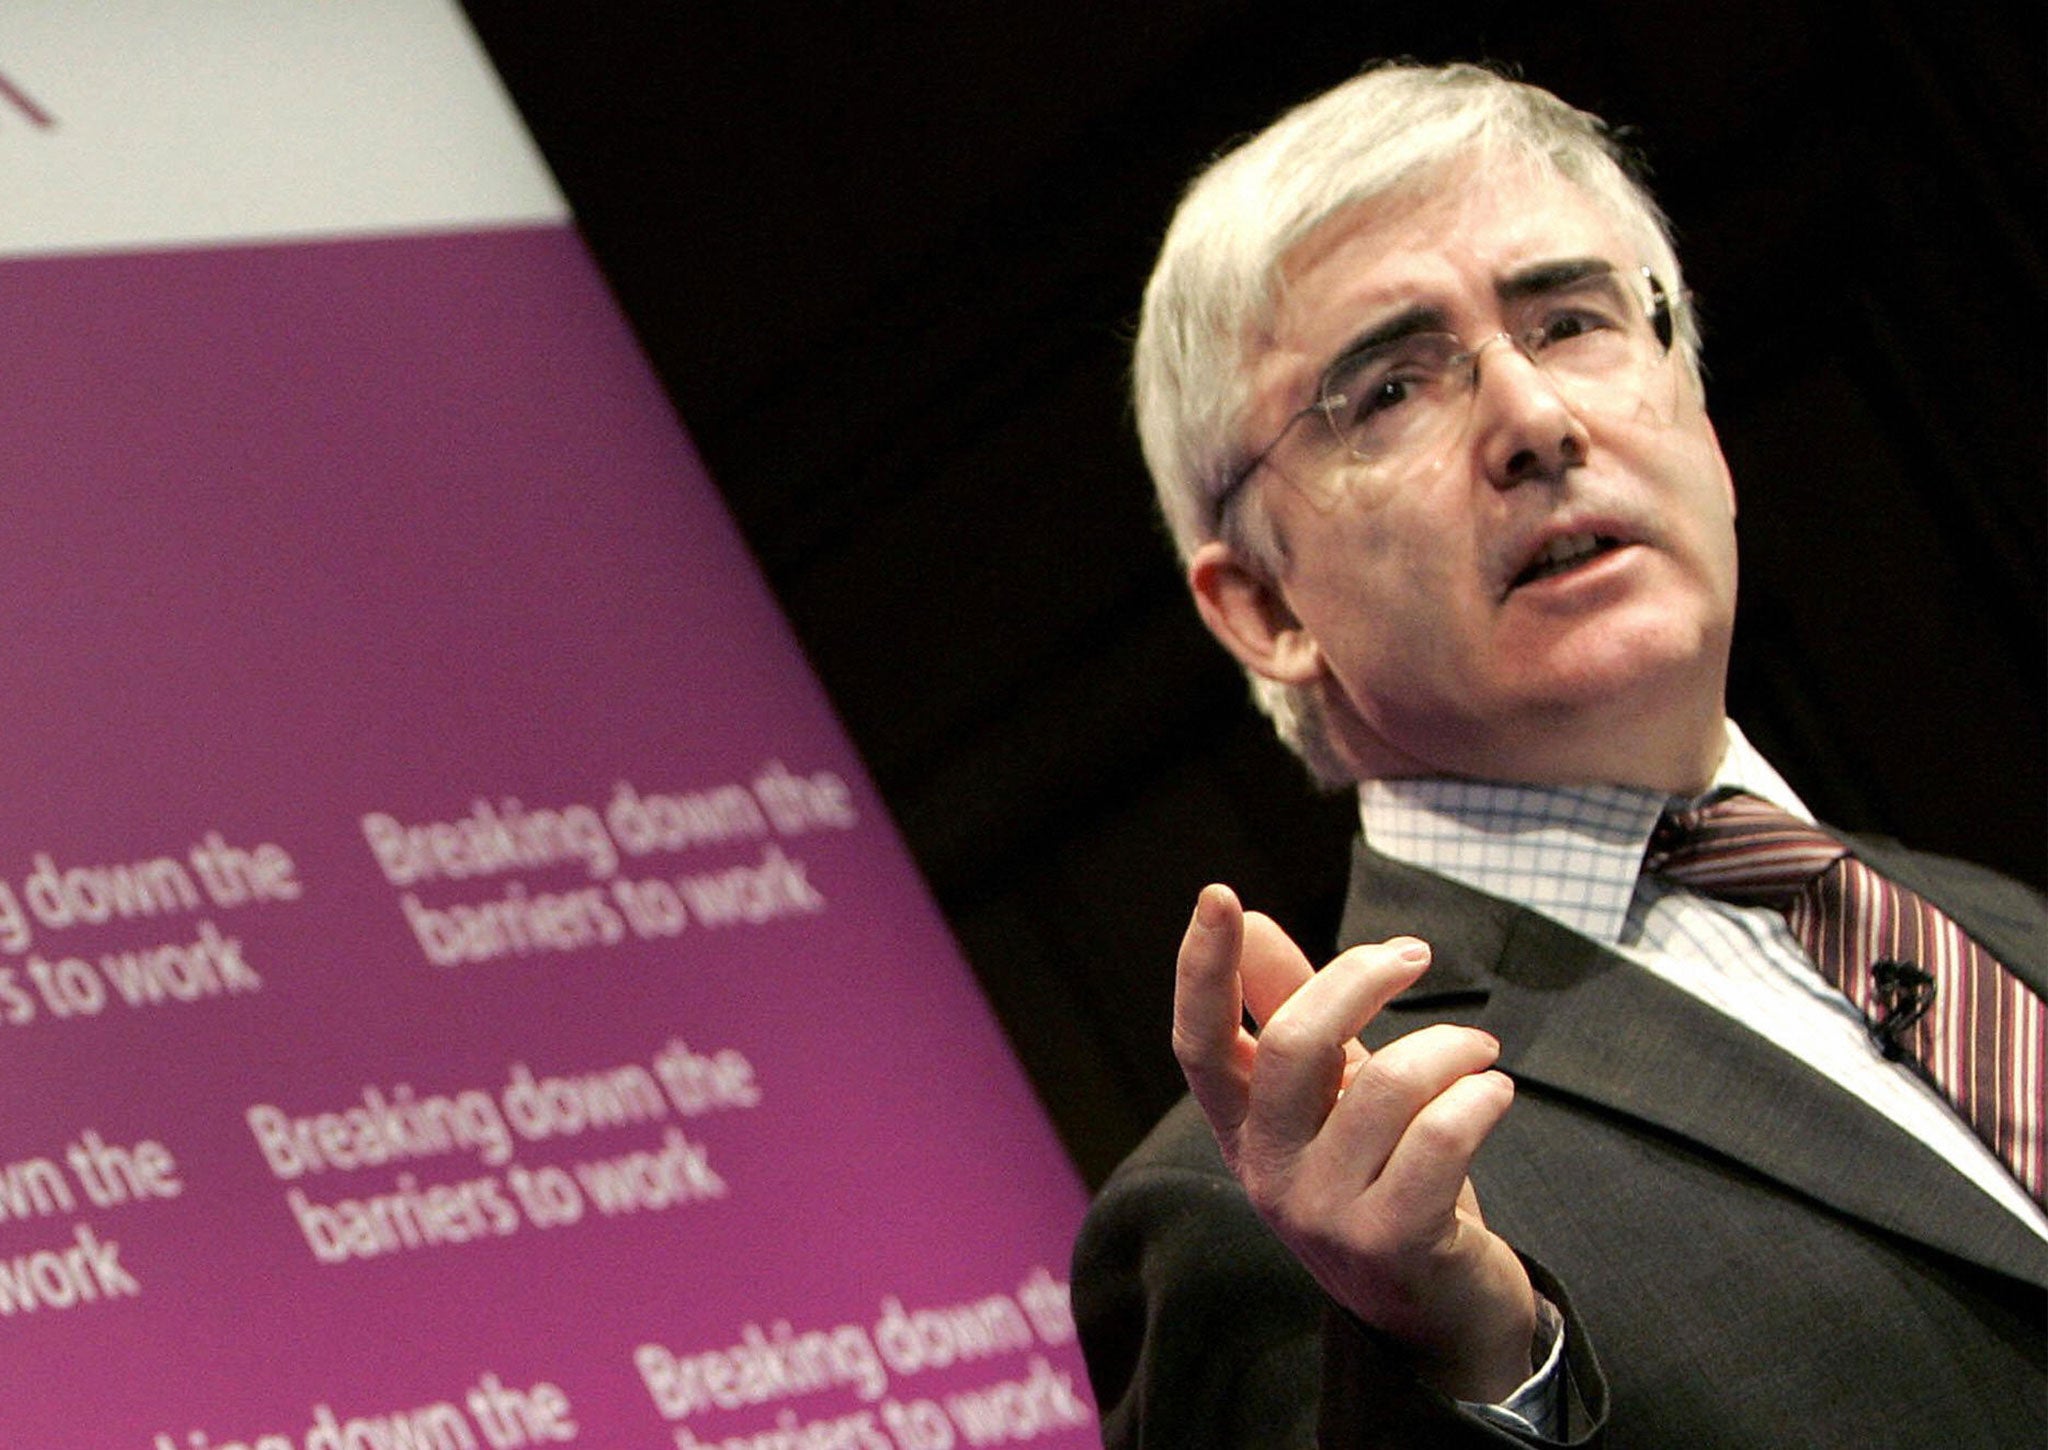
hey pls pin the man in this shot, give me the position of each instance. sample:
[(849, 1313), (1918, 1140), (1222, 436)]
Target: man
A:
[(1616, 1159)]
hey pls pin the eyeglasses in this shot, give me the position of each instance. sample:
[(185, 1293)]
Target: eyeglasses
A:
[(1405, 389)]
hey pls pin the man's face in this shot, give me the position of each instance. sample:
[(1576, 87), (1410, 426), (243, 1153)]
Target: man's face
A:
[(1443, 595)]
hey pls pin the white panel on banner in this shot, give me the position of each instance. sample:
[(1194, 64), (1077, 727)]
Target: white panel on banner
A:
[(127, 123), (458, 986)]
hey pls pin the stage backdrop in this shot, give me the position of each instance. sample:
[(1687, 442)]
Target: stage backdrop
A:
[(457, 986)]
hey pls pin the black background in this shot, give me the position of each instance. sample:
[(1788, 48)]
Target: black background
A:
[(887, 257)]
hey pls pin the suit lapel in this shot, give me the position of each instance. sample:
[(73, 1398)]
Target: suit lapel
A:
[(1576, 1019)]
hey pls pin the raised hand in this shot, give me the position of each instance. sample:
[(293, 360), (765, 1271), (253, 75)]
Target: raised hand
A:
[(1358, 1161)]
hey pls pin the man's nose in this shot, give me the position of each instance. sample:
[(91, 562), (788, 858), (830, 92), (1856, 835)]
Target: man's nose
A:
[(1528, 430)]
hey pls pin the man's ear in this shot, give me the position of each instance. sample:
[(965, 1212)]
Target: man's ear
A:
[(1245, 610)]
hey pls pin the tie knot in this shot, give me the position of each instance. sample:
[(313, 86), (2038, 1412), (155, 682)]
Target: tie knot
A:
[(1740, 848)]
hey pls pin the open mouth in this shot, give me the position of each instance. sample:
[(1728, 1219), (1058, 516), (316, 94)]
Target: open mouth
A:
[(1568, 551)]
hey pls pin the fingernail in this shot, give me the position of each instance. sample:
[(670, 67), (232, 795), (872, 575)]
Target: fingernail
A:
[(1211, 909), (1411, 949)]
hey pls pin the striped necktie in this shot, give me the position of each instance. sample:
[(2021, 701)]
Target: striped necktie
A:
[(1929, 992)]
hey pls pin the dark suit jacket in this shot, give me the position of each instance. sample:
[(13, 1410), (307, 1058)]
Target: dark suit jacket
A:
[(1747, 1256)]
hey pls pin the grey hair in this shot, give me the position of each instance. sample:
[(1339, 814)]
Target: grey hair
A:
[(1215, 288)]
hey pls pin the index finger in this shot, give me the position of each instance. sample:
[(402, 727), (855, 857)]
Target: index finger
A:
[(1214, 1050)]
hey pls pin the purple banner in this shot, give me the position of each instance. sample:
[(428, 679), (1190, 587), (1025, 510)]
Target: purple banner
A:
[(458, 987)]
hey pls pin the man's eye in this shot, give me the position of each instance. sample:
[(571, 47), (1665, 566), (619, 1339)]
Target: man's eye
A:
[(1387, 392), (1368, 396), (1565, 328), (1569, 326), (1386, 388)]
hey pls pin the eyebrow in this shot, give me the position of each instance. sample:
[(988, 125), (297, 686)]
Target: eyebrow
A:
[(1405, 323), (1536, 280), (1543, 277)]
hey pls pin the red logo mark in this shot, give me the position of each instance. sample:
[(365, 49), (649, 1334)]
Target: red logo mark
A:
[(15, 96)]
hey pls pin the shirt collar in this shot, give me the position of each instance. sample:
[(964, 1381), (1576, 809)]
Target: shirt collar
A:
[(1570, 852)]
